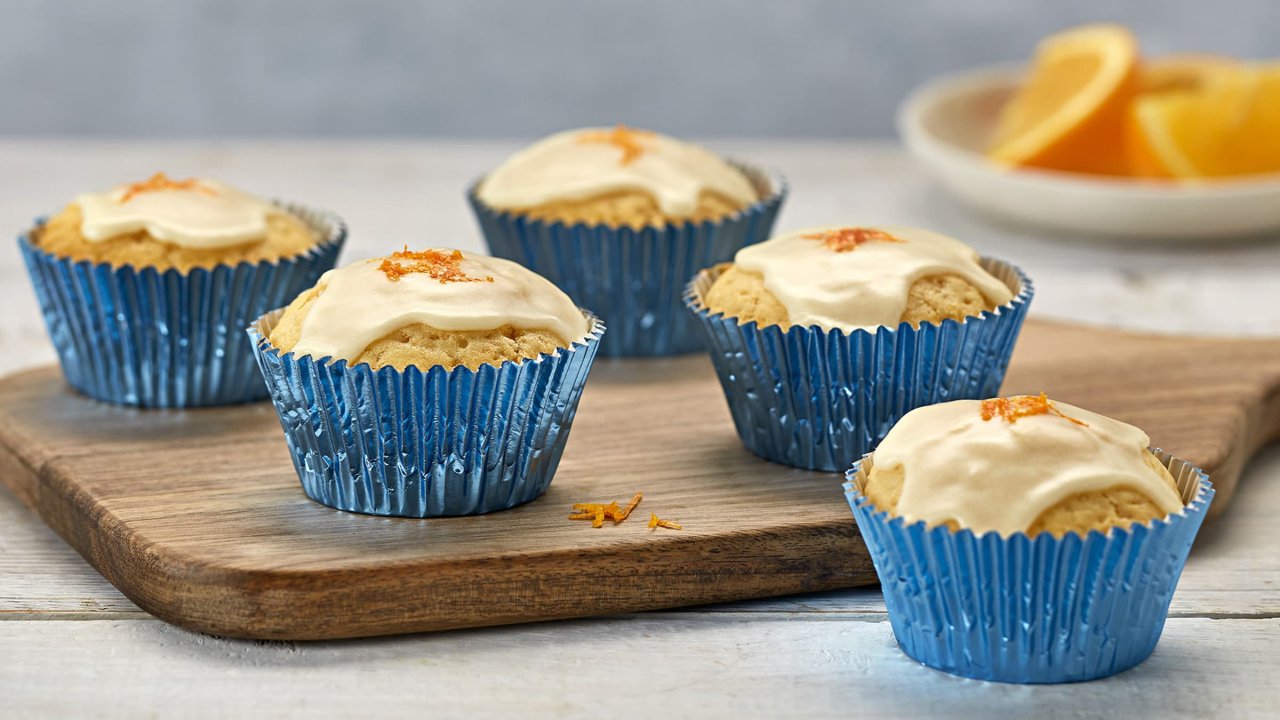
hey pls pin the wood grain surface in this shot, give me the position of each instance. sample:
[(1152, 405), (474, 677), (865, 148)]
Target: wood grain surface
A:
[(198, 517)]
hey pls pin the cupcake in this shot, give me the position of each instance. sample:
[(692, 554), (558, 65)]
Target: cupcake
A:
[(620, 219), (823, 338), (145, 288), (1025, 540), (427, 383)]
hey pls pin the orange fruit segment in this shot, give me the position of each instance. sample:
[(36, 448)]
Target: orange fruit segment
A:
[(1070, 113), (1227, 125), (1171, 73), (1181, 72)]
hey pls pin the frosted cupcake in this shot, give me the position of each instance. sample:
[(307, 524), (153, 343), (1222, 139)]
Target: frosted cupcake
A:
[(824, 337), (1025, 540), (144, 288), (620, 218), (427, 383)]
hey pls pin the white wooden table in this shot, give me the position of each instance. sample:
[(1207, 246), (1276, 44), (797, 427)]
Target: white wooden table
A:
[(70, 644)]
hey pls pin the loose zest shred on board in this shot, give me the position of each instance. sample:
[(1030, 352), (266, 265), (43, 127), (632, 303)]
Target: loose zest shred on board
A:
[(624, 138), (848, 239), (435, 264), (657, 522), (159, 182), (1020, 406), (597, 513)]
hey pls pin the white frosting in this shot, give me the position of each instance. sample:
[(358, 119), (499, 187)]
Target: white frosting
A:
[(359, 304), (996, 475), (867, 286), (209, 215), (566, 166)]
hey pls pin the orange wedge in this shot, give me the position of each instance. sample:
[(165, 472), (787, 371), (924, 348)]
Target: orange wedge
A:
[(1228, 125), (1070, 113), (1181, 72), (1172, 73)]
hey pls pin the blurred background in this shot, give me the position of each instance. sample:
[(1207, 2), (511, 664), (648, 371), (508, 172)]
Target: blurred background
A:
[(386, 110), (514, 68)]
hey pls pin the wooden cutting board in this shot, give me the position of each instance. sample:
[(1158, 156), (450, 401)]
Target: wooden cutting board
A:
[(198, 517)]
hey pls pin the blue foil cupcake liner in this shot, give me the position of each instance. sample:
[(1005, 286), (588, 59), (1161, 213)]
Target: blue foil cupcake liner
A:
[(425, 443), (1030, 610), (632, 278), (163, 338), (820, 399)]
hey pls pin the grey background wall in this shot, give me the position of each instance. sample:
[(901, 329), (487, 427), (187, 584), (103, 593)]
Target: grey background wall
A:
[(519, 68)]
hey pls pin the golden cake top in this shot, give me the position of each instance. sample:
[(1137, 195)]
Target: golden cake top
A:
[(193, 213), (441, 288), (849, 277), (589, 162), (997, 465)]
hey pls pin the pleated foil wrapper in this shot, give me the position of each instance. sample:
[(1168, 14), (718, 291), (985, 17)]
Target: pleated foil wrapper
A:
[(633, 278), (1030, 610), (820, 399), (163, 338), (425, 443)]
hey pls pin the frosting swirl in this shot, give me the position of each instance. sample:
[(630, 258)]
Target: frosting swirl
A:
[(195, 213), (588, 162), (997, 465), (440, 288), (840, 277)]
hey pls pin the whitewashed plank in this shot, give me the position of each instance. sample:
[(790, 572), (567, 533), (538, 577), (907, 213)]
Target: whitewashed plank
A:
[(41, 576), (625, 667), (1234, 568)]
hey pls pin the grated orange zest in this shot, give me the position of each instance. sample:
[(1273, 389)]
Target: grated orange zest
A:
[(445, 267), (626, 512), (657, 522), (597, 513), (160, 182), (622, 137), (848, 239), (1019, 406)]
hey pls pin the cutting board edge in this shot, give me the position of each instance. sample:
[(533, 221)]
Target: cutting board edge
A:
[(263, 604)]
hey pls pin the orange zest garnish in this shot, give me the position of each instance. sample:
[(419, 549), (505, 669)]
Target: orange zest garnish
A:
[(624, 138), (657, 522), (847, 239), (1020, 406), (635, 500), (160, 182), (597, 513), (435, 264)]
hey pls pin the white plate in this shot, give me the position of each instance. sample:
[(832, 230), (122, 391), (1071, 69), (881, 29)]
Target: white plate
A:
[(947, 125)]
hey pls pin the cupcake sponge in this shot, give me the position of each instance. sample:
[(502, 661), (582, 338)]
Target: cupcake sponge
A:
[(287, 236), (423, 346), (741, 294), (629, 208), (1100, 510)]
